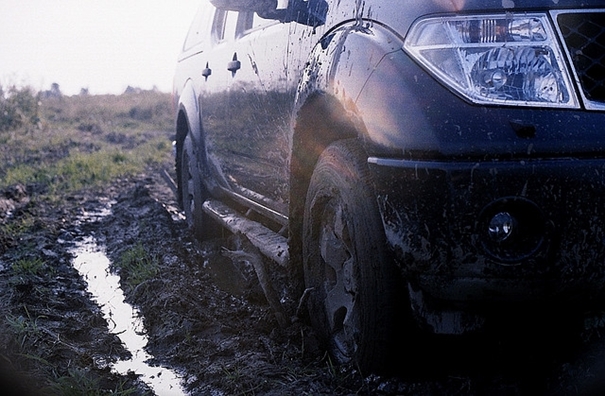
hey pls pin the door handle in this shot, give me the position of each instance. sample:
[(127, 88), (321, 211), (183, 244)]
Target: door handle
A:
[(206, 72), (234, 65)]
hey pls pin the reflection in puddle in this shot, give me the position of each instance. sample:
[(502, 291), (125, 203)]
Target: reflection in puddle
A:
[(123, 319)]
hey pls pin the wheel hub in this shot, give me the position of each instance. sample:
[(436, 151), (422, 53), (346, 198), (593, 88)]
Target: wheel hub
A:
[(339, 282)]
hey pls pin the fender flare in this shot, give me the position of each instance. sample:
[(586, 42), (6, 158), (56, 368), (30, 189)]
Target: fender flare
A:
[(342, 62), (189, 106)]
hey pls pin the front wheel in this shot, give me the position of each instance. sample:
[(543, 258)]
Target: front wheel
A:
[(352, 280)]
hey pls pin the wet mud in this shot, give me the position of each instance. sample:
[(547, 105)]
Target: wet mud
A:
[(123, 319), (205, 317)]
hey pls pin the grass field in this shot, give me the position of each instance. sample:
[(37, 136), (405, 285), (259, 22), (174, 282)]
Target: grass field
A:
[(62, 144)]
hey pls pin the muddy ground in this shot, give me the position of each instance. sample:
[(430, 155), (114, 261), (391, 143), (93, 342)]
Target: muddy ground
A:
[(206, 316)]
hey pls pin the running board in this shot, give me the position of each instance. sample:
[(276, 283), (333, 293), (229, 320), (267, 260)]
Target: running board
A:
[(270, 243)]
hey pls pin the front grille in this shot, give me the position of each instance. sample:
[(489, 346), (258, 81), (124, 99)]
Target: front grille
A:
[(584, 36)]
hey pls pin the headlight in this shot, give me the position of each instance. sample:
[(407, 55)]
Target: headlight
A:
[(495, 59)]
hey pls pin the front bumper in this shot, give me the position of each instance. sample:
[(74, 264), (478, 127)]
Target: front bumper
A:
[(436, 217)]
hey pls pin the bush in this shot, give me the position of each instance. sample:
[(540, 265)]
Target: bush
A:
[(18, 107)]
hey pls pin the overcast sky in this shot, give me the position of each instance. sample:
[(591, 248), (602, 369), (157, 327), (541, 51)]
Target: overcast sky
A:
[(102, 45)]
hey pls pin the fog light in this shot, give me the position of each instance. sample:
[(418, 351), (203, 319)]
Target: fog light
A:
[(511, 229), (501, 227)]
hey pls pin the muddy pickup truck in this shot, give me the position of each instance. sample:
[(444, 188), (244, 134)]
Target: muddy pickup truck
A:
[(439, 160)]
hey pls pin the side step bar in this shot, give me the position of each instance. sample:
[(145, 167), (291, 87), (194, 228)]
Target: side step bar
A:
[(270, 243)]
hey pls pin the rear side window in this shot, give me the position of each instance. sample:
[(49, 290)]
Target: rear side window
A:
[(197, 31)]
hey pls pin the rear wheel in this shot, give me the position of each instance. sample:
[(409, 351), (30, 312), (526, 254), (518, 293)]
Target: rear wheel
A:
[(346, 265), (193, 194)]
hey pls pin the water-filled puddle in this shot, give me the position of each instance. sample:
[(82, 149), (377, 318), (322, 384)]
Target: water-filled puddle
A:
[(123, 319)]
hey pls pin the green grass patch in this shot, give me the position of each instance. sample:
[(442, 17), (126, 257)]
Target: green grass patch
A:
[(79, 382), (24, 327), (31, 271), (82, 170), (29, 267), (137, 265)]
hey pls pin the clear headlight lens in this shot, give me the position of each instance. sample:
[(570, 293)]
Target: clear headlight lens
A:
[(495, 59)]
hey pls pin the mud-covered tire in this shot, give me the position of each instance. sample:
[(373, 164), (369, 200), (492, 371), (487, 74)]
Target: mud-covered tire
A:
[(352, 302), (193, 194)]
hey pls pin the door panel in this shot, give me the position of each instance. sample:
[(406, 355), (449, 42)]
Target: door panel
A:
[(247, 122), (217, 125), (247, 111)]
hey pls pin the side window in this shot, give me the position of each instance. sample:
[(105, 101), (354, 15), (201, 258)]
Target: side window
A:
[(250, 21), (224, 25), (244, 23), (196, 32)]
